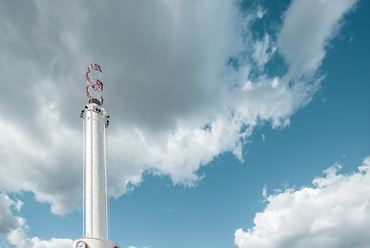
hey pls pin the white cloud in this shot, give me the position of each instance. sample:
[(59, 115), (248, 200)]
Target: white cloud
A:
[(261, 12), (15, 228), (263, 51), (308, 27), (18, 237), (174, 102), (7, 220), (334, 212), (264, 193)]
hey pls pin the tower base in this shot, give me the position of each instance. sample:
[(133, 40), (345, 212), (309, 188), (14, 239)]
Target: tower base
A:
[(93, 243)]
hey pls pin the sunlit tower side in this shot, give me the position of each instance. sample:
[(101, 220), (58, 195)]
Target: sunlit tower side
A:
[(95, 195)]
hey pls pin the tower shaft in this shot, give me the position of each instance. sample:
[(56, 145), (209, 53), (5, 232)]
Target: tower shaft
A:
[(95, 172), (95, 207)]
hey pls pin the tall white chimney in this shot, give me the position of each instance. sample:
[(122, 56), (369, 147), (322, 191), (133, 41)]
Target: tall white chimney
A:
[(95, 187)]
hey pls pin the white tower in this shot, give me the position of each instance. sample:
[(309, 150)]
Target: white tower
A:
[(95, 170)]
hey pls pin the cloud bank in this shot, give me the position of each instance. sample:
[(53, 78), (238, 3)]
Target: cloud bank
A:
[(14, 228), (185, 81), (334, 212)]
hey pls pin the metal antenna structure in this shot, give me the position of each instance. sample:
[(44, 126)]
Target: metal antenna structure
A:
[(95, 186)]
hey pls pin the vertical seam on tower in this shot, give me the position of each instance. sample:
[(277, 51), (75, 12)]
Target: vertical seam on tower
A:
[(105, 183), (91, 176), (84, 179)]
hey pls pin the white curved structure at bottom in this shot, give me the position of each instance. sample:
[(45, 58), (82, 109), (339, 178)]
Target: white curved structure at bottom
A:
[(93, 243)]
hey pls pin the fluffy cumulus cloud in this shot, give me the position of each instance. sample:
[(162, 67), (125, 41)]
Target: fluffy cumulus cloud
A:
[(7, 221), (335, 212), (184, 81), (14, 228), (19, 238)]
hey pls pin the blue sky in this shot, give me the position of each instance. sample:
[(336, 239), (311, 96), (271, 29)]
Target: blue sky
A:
[(233, 123)]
